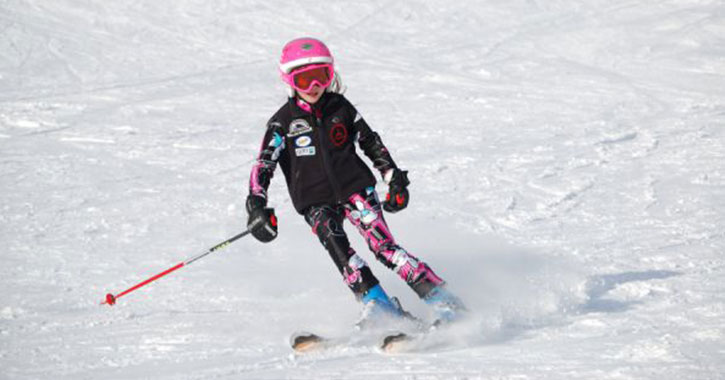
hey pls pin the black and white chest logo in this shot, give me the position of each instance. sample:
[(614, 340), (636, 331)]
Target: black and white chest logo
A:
[(298, 127)]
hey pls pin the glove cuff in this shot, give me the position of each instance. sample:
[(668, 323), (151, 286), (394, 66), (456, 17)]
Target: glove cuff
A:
[(399, 178), (396, 177), (255, 202)]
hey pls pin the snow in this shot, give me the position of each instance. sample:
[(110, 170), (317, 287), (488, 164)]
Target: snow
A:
[(567, 173)]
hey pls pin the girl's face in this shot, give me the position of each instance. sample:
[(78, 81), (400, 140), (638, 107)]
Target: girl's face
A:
[(313, 95)]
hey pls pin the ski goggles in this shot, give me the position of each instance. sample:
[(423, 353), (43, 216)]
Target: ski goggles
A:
[(305, 77)]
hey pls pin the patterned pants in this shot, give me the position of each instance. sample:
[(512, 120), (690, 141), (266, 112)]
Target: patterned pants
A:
[(364, 211)]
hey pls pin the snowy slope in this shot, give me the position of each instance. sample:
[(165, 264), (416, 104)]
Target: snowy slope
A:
[(567, 161)]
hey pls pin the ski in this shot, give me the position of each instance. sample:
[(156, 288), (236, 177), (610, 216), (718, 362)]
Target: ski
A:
[(305, 342), (399, 342), (390, 342), (421, 339), (400, 333)]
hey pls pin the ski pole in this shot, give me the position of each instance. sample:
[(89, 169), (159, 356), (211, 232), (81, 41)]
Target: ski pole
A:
[(111, 299)]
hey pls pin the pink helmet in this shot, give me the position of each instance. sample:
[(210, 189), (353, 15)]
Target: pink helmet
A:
[(303, 51)]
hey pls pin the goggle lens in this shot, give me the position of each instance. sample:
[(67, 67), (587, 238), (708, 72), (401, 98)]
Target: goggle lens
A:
[(306, 77)]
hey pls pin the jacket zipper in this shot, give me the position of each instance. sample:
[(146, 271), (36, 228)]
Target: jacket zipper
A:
[(323, 154)]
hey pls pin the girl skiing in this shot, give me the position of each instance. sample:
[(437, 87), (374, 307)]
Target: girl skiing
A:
[(312, 137)]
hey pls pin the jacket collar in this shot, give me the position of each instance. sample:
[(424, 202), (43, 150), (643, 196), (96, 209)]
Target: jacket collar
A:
[(300, 108)]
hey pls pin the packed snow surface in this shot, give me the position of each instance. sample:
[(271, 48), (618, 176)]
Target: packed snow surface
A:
[(567, 161)]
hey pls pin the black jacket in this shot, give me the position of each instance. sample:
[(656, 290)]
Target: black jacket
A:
[(315, 147)]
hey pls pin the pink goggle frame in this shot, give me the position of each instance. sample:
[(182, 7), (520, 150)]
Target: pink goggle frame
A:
[(302, 79)]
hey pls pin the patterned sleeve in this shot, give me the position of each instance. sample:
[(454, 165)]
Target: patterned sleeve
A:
[(266, 163), (372, 145)]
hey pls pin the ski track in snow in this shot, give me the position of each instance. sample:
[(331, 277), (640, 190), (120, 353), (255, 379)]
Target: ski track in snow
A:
[(567, 173)]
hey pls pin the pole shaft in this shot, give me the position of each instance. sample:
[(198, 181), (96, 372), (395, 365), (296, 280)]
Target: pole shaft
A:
[(217, 247), (151, 279), (179, 265)]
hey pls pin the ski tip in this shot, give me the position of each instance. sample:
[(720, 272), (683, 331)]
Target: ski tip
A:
[(393, 342), (305, 342)]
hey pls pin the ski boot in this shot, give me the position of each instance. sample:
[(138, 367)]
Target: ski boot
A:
[(379, 310), (447, 307)]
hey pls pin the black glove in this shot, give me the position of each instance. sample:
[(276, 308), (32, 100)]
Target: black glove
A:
[(397, 198), (262, 220)]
